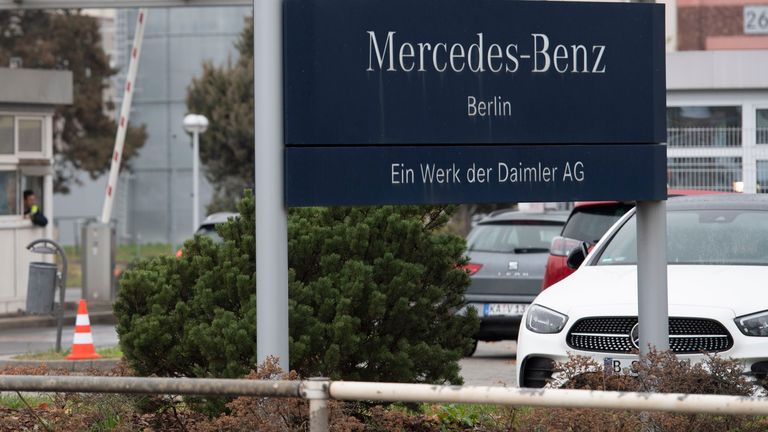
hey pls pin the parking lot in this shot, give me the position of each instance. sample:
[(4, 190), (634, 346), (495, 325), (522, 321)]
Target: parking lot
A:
[(494, 363)]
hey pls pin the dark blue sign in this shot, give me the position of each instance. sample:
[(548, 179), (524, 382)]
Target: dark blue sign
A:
[(412, 72), (327, 176)]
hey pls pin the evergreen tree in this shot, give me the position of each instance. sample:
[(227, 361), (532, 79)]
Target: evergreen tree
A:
[(225, 96), (84, 135)]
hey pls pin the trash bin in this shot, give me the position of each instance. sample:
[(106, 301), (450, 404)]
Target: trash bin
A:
[(41, 287)]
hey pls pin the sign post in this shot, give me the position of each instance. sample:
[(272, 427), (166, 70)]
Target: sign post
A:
[(271, 214), (652, 288)]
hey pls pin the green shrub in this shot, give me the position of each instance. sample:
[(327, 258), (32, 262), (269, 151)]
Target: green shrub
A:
[(372, 292)]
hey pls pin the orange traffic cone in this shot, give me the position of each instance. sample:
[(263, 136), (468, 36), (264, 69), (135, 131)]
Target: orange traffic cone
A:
[(82, 346)]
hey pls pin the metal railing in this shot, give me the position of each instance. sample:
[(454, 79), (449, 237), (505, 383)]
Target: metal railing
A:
[(319, 391), (705, 137), (712, 173)]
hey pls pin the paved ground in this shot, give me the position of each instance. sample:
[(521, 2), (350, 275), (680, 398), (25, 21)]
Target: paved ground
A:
[(492, 364), (19, 341)]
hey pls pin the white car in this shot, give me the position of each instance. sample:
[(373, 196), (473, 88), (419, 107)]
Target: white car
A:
[(718, 303)]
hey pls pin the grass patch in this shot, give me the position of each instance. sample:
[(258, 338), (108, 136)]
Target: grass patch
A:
[(464, 415), (14, 402), (106, 352)]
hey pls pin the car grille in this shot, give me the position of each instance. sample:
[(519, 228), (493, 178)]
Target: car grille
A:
[(612, 334)]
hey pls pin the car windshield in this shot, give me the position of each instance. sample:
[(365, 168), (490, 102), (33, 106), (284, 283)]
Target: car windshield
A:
[(590, 223), (209, 231), (513, 237), (715, 237)]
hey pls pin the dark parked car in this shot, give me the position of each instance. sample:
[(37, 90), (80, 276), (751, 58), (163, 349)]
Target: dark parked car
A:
[(507, 254)]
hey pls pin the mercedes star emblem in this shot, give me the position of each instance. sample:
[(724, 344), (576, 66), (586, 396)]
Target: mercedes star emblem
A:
[(634, 336)]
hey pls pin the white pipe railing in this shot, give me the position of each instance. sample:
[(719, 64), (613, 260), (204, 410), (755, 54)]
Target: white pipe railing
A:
[(319, 390), (552, 398)]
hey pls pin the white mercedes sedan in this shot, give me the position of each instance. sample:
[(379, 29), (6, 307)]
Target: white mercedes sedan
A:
[(718, 293)]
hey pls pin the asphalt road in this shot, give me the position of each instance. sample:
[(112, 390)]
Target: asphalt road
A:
[(20, 341), (493, 364)]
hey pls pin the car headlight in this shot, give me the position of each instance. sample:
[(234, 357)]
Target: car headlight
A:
[(753, 325), (544, 320)]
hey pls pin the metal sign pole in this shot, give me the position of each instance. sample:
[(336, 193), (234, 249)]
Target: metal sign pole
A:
[(652, 304), (652, 290), (271, 214)]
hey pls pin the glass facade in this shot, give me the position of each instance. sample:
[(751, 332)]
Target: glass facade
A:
[(762, 176), (761, 120), (708, 173), (704, 126)]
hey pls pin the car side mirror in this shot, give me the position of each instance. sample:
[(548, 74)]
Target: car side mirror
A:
[(577, 256)]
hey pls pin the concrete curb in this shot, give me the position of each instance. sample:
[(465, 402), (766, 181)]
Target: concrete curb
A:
[(70, 365)]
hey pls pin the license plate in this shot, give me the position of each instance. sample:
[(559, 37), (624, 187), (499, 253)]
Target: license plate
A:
[(620, 366), (495, 309)]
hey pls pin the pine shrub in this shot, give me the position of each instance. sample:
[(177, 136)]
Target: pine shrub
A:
[(373, 294)]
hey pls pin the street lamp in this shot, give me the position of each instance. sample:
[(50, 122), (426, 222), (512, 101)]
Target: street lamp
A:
[(195, 124)]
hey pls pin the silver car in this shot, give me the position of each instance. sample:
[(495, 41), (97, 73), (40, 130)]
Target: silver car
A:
[(507, 254)]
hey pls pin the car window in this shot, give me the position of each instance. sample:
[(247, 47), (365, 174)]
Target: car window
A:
[(210, 231), (513, 238), (590, 223), (715, 237)]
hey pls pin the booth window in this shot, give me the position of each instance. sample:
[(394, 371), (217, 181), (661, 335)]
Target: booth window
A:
[(30, 135), (7, 146), (35, 184), (9, 193)]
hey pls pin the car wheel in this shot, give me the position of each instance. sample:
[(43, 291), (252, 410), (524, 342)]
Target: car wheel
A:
[(471, 349)]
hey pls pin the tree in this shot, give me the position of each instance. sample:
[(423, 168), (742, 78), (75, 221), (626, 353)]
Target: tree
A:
[(84, 135), (373, 296), (225, 96)]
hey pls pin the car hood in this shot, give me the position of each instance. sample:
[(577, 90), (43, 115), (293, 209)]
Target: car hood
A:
[(610, 289)]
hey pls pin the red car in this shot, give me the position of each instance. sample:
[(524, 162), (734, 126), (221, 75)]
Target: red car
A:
[(588, 222)]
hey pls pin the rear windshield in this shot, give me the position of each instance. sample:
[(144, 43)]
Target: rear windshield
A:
[(590, 223), (513, 238), (725, 237)]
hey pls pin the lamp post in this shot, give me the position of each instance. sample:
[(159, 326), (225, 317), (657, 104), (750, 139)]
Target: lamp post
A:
[(195, 124)]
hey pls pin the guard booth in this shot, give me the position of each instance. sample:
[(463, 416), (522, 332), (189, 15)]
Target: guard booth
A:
[(28, 98)]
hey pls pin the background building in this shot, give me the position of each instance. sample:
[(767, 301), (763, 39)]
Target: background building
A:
[(722, 24), (153, 203)]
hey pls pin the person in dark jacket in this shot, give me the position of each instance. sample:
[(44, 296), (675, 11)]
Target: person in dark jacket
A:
[(32, 211)]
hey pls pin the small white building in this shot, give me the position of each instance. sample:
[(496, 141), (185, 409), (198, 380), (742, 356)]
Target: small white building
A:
[(27, 101)]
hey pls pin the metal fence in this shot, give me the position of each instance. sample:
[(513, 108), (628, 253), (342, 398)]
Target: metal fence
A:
[(705, 137), (721, 159), (711, 173), (319, 391)]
